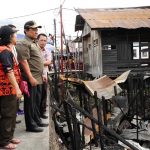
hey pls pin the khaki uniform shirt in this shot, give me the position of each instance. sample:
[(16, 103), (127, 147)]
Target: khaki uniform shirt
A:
[(28, 50)]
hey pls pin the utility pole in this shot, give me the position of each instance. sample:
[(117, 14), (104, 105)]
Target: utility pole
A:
[(61, 39), (55, 43)]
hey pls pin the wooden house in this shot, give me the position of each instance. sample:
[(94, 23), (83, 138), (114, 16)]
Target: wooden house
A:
[(115, 40)]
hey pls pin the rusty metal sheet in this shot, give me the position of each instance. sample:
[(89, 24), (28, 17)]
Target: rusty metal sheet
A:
[(129, 18), (123, 77), (104, 86)]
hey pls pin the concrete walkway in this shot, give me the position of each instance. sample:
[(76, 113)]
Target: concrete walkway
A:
[(30, 140)]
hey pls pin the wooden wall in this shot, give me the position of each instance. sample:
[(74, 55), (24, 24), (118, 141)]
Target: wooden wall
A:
[(110, 52), (120, 57)]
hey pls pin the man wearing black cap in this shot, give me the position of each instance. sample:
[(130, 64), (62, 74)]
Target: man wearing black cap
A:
[(31, 63)]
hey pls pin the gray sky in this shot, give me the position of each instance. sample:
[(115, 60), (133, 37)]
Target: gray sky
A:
[(15, 8)]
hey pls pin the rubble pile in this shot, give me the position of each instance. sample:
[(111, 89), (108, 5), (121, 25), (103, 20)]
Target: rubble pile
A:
[(100, 114)]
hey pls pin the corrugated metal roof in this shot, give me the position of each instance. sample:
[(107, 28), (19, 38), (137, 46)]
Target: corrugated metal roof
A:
[(129, 18)]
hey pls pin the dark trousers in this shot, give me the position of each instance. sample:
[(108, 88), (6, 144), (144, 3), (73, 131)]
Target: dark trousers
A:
[(43, 98), (8, 108), (32, 106)]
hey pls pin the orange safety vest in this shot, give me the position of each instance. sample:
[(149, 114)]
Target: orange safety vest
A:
[(6, 87)]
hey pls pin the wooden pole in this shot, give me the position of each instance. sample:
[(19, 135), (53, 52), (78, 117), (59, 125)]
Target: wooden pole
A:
[(61, 39), (55, 43)]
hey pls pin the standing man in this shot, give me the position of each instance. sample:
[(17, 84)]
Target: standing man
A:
[(31, 62), (42, 41)]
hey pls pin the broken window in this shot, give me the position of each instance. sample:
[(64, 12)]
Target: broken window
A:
[(109, 47), (95, 42), (135, 50), (140, 50)]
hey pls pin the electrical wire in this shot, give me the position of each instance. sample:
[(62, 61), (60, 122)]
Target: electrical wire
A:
[(32, 14), (54, 9), (69, 9)]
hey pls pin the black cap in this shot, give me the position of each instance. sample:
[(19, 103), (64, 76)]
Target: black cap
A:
[(6, 31), (31, 24)]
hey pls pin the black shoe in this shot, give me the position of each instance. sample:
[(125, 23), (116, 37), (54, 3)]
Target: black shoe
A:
[(44, 116), (37, 129), (42, 124)]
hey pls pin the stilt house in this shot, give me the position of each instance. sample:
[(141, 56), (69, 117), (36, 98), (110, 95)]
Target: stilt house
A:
[(115, 40)]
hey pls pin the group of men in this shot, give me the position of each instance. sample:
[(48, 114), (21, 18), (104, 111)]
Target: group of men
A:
[(34, 60), (23, 70)]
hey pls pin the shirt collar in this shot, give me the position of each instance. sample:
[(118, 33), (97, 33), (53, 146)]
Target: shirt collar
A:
[(29, 39)]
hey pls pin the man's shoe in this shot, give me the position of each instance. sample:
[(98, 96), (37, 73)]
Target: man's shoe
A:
[(42, 124), (37, 129), (44, 116)]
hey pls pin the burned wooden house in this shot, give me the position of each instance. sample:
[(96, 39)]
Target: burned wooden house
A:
[(115, 40)]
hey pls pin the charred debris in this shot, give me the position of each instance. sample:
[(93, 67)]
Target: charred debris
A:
[(103, 113)]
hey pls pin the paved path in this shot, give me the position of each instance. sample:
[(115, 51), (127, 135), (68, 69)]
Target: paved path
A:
[(30, 140)]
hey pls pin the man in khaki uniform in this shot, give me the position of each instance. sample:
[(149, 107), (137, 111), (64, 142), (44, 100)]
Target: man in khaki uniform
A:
[(31, 64)]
